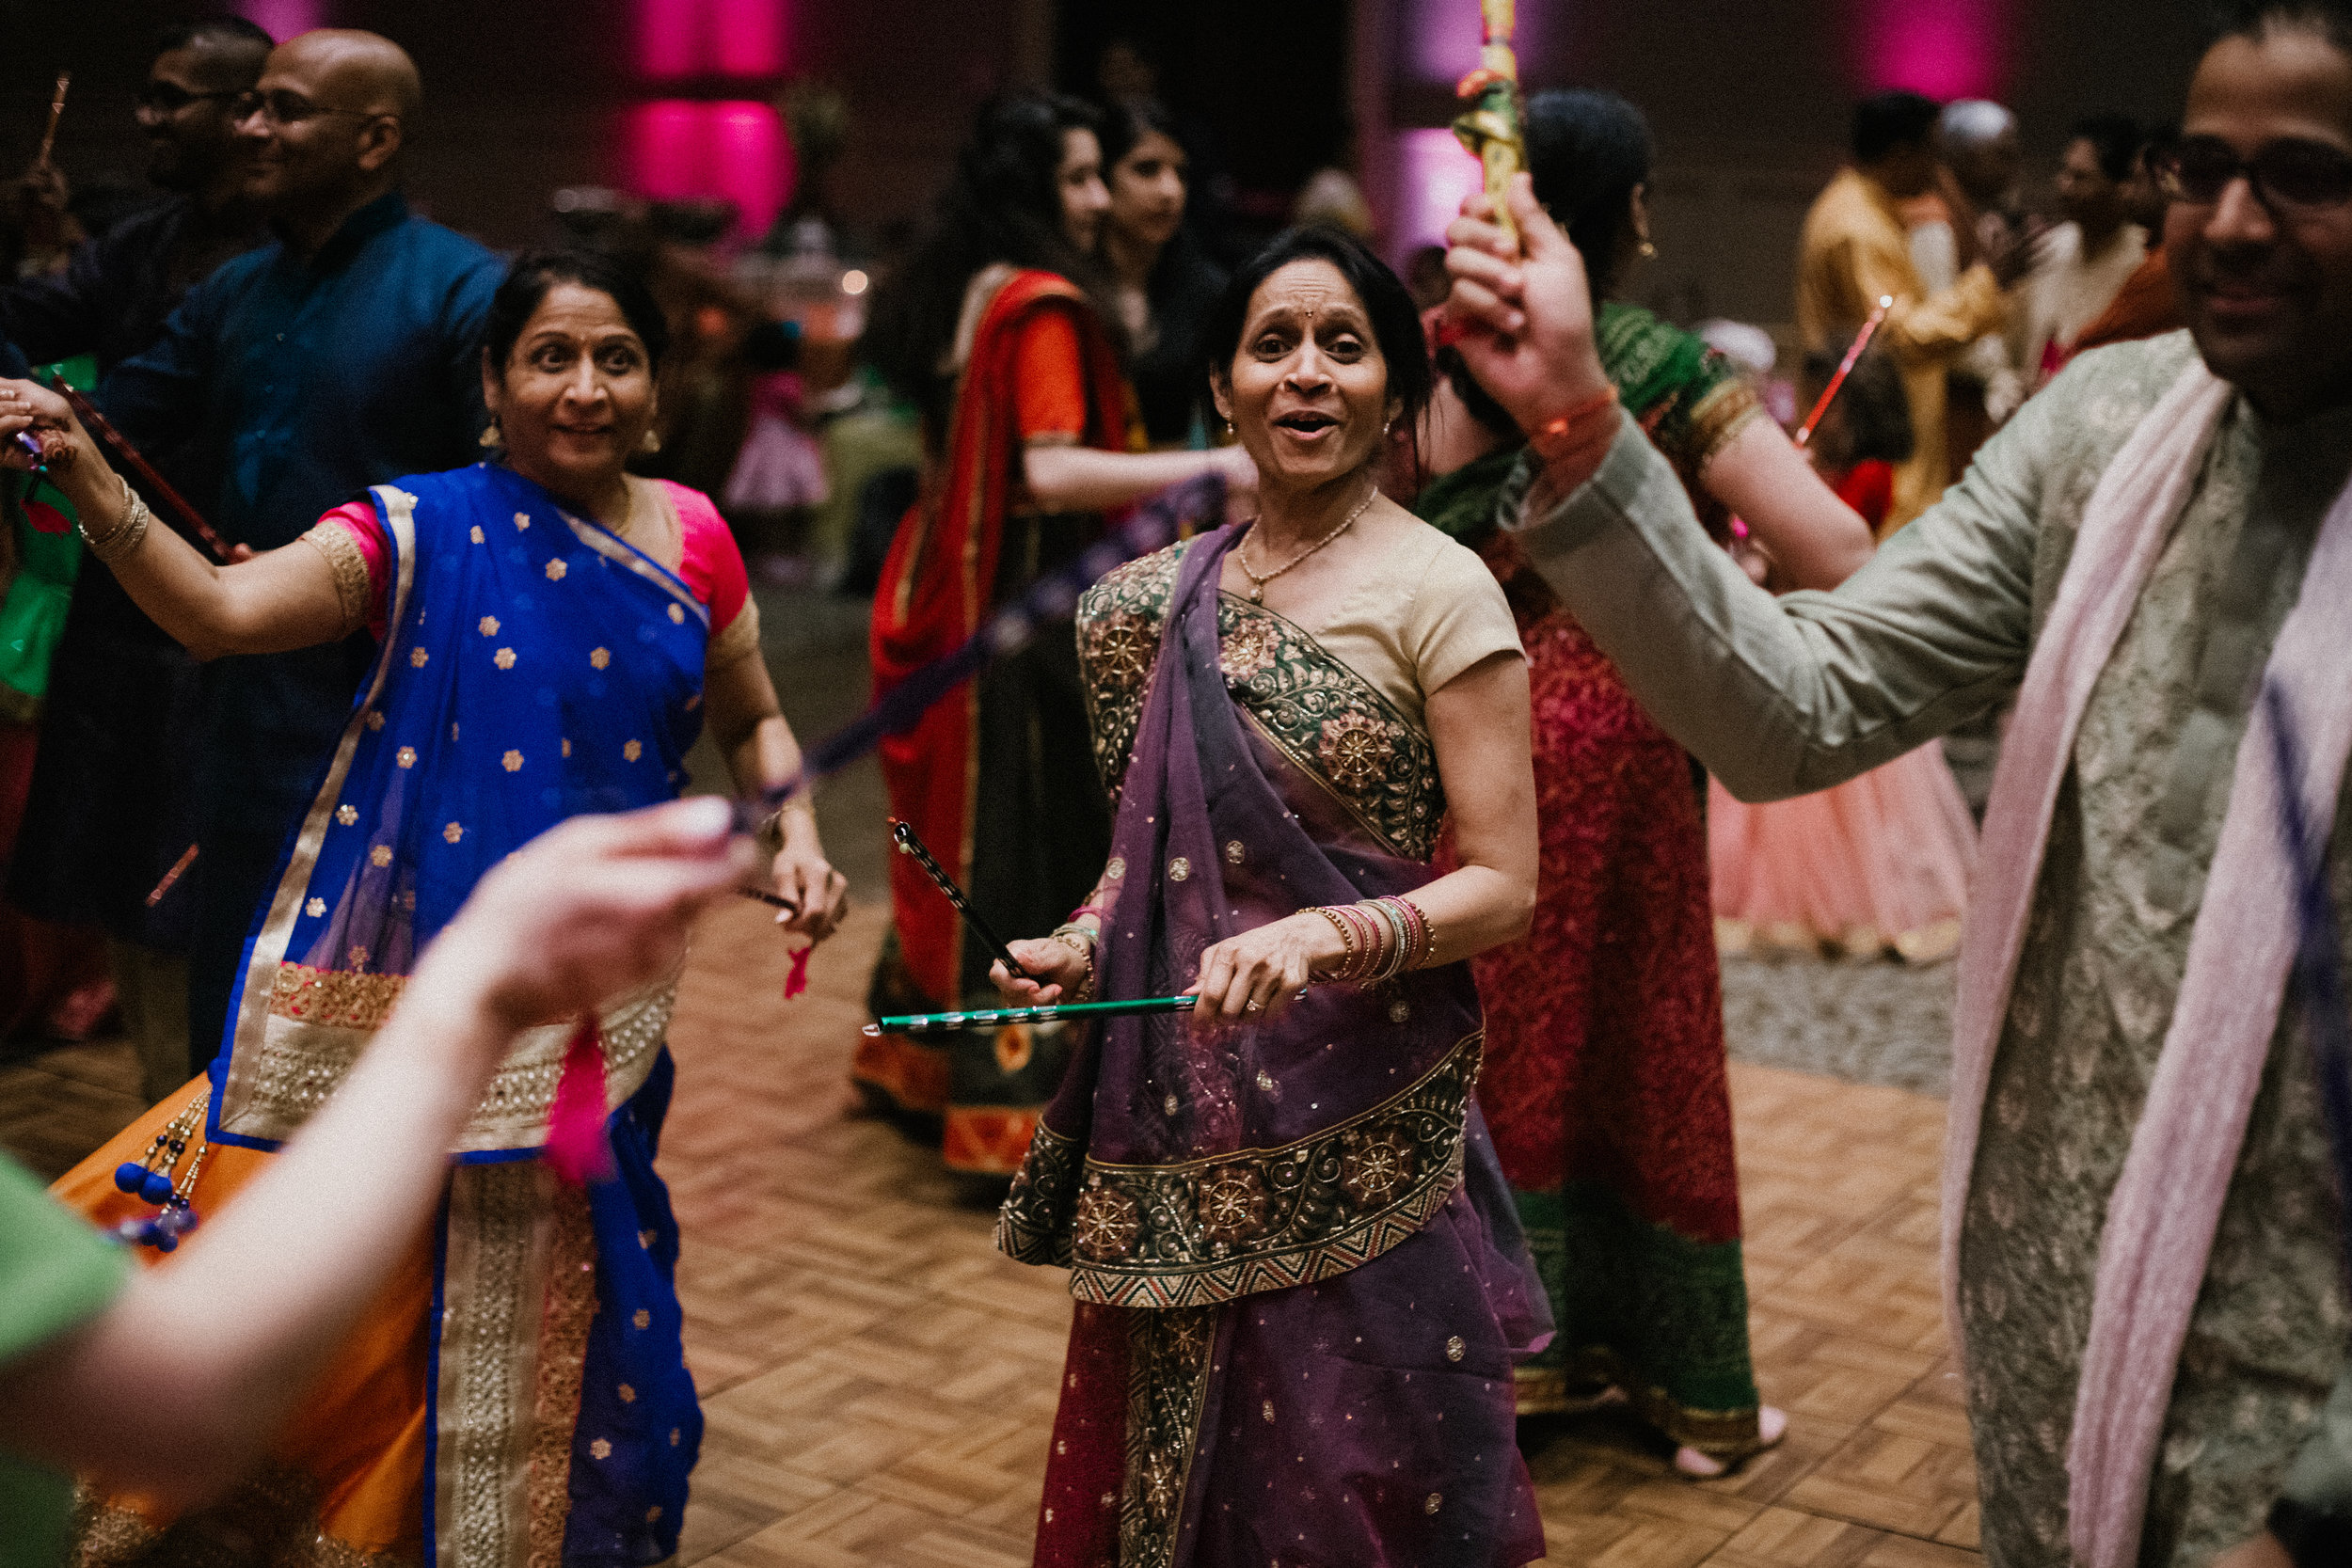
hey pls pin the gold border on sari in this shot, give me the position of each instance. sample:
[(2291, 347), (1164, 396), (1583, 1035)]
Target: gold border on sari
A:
[(494, 1269), (1212, 1230), (622, 553), (239, 1111), (300, 1061)]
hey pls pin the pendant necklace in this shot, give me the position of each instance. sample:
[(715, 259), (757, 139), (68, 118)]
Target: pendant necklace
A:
[(1259, 580)]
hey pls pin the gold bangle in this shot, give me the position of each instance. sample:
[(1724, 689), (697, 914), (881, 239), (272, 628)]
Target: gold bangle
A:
[(1080, 940)]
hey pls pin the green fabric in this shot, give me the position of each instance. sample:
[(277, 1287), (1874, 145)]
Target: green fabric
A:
[(1634, 1300), (56, 1273), (79, 373), (1787, 697), (1648, 359), (32, 617), (1461, 504)]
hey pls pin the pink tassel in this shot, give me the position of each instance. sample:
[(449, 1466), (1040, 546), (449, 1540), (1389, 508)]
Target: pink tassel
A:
[(796, 981), (577, 1150)]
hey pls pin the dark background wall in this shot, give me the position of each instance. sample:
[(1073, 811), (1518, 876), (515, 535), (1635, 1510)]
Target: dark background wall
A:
[(1749, 99)]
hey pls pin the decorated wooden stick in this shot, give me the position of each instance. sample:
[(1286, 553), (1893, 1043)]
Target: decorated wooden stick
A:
[(56, 112), (116, 442), (1845, 368), (996, 1018), (178, 869), (1491, 125), (903, 835)]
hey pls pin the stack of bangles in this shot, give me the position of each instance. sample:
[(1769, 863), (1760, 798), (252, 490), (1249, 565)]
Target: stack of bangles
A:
[(1080, 938), (1384, 937), (124, 536)]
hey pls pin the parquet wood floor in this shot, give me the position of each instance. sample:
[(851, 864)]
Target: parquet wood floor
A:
[(879, 1383)]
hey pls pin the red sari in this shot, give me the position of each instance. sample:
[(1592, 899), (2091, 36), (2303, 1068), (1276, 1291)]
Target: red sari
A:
[(997, 777)]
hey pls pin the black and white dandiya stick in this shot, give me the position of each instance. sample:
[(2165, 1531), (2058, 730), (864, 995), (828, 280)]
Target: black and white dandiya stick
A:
[(996, 1018), (902, 833)]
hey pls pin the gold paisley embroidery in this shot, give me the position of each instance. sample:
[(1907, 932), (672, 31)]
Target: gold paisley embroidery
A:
[(353, 588)]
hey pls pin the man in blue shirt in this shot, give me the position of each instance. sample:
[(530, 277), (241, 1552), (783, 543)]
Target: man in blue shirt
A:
[(110, 806), (344, 354)]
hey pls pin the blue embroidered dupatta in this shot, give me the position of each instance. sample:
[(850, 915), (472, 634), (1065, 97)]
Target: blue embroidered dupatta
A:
[(535, 666)]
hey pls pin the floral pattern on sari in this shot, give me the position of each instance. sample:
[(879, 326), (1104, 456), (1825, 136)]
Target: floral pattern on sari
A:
[(1323, 717), (1167, 1386), (1211, 1229)]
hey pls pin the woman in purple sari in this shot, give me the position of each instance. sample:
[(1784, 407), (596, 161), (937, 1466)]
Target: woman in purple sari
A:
[(1301, 1286)]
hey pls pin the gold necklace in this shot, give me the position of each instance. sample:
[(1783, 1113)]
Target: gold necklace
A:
[(1257, 581), (628, 508)]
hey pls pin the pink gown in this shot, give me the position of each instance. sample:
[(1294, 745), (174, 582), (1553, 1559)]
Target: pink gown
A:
[(1879, 861)]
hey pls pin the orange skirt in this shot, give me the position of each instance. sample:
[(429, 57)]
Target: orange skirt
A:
[(350, 1466)]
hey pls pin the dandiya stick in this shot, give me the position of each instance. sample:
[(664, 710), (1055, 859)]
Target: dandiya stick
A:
[(1489, 124), (179, 866), (996, 1018), (116, 442), (1845, 368), (903, 834), (56, 112)]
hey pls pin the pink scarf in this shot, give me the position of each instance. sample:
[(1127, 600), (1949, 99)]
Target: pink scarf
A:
[(2162, 1216)]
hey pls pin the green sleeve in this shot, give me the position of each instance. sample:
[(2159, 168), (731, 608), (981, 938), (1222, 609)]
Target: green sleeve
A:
[(1781, 697), (55, 1272)]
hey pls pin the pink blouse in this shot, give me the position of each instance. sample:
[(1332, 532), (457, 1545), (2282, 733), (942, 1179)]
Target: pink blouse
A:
[(711, 565)]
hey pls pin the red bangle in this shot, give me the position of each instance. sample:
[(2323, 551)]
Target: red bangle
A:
[(1562, 435)]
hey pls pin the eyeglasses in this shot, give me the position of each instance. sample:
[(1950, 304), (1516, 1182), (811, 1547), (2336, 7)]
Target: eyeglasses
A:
[(2288, 176), (282, 107), (169, 98)]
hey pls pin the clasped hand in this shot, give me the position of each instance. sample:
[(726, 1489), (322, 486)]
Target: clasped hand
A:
[(1521, 313)]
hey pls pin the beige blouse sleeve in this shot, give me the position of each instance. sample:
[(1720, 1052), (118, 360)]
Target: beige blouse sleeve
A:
[(1458, 618)]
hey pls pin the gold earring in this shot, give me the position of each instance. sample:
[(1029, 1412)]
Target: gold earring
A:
[(1649, 252), (652, 443), (490, 435)]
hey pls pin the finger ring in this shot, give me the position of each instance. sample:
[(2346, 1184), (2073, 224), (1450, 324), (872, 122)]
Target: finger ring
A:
[(1250, 1007)]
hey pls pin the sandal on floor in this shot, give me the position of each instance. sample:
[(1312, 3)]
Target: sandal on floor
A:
[(1772, 1425)]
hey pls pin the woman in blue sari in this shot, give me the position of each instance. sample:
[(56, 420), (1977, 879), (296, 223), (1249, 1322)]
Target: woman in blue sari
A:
[(553, 632)]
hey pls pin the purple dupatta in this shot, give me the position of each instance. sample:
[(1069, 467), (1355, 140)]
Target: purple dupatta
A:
[(1183, 1169)]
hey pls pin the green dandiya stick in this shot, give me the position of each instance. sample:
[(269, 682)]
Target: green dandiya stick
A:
[(996, 1018)]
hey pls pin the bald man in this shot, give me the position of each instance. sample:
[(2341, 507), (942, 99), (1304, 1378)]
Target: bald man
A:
[(343, 355)]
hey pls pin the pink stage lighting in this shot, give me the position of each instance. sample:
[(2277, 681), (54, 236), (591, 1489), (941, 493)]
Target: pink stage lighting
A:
[(1945, 49), (283, 19), (709, 38), (677, 150), (1434, 173)]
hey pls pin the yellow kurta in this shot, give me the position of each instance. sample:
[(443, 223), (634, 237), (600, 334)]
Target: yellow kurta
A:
[(1853, 251)]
